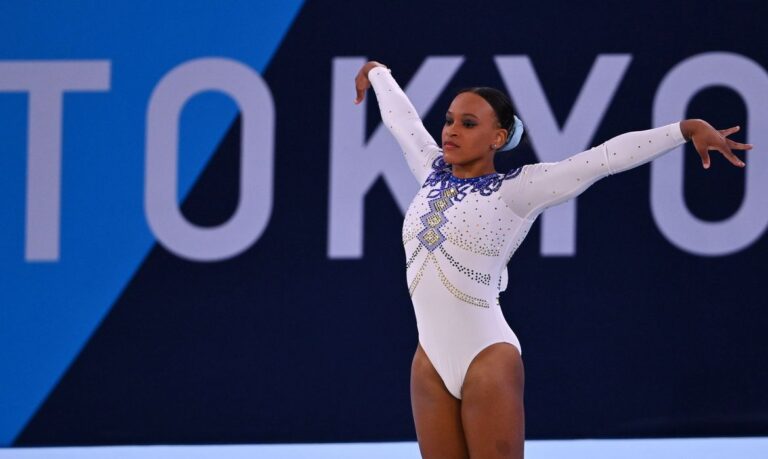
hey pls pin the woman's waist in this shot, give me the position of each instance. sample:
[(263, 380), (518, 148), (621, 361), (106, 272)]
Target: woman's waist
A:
[(434, 283), (484, 279)]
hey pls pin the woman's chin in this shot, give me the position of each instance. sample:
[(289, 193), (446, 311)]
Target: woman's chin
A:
[(454, 159), (450, 157)]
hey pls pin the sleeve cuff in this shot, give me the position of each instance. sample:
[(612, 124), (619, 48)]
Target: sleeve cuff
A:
[(676, 133), (378, 73)]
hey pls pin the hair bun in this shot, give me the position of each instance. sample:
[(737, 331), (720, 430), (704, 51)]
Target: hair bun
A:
[(515, 134)]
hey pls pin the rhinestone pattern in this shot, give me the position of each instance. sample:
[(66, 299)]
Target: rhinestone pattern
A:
[(409, 235), (471, 273), (452, 209), (442, 178), (431, 236), (446, 283), (417, 278), (474, 247), (412, 258), (456, 292)]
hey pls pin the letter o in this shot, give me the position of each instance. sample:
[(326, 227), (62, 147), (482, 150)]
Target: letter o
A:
[(254, 208), (670, 212)]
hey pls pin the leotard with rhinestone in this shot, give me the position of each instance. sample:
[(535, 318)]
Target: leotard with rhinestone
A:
[(459, 234)]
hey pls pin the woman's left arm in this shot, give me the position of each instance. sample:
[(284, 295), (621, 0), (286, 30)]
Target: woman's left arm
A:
[(546, 184)]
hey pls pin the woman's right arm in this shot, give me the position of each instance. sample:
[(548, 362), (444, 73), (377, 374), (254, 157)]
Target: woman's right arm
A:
[(400, 117)]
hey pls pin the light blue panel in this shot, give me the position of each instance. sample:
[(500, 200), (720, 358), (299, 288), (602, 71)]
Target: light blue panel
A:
[(699, 448), (49, 310)]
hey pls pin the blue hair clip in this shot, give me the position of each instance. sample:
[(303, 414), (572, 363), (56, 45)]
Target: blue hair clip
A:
[(515, 134)]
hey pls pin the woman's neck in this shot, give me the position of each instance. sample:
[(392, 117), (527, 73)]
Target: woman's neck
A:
[(473, 169)]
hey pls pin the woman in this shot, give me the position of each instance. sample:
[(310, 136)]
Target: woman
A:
[(459, 233)]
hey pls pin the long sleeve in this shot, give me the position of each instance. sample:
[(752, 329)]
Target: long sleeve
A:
[(543, 185), (400, 117)]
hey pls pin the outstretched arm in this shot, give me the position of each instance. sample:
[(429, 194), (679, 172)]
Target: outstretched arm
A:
[(546, 184), (400, 117)]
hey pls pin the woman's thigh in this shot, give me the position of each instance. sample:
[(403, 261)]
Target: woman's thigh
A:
[(492, 403), (436, 413)]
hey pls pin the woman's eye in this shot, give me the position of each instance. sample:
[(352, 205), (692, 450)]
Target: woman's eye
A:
[(448, 121), (469, 124)]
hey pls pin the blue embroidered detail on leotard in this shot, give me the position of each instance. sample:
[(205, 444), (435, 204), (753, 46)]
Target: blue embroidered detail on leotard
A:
[(442, 178), (431, 236), (447, 188)]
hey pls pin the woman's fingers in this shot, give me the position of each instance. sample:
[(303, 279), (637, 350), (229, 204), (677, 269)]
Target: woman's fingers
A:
[(738, 146), (733, 145), (729, 131), (361, 86), (730, 145), (362, 83), (360, 94), (710, 139), (704, 153), (705, 159), (726, 151)]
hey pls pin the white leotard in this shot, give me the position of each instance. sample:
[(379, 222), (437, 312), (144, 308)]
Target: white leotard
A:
[(459, 234)]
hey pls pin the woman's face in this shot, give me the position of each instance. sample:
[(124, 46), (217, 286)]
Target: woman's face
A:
[(470, 130)]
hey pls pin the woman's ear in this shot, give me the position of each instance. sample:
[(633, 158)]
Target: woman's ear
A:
[(501, 137)]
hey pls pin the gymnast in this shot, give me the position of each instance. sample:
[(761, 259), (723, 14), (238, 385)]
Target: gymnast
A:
[(459, 233)]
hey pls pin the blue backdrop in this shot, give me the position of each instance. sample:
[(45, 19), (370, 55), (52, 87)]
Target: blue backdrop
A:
[(272, 307)]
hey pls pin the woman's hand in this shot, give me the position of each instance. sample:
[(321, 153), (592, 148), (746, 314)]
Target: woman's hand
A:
[(362, 83), (706, 138)]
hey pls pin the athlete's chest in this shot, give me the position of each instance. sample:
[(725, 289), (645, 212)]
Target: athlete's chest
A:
[(467, 213)]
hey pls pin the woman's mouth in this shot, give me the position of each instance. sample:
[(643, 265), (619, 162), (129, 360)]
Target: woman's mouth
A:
[(449, 145)]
